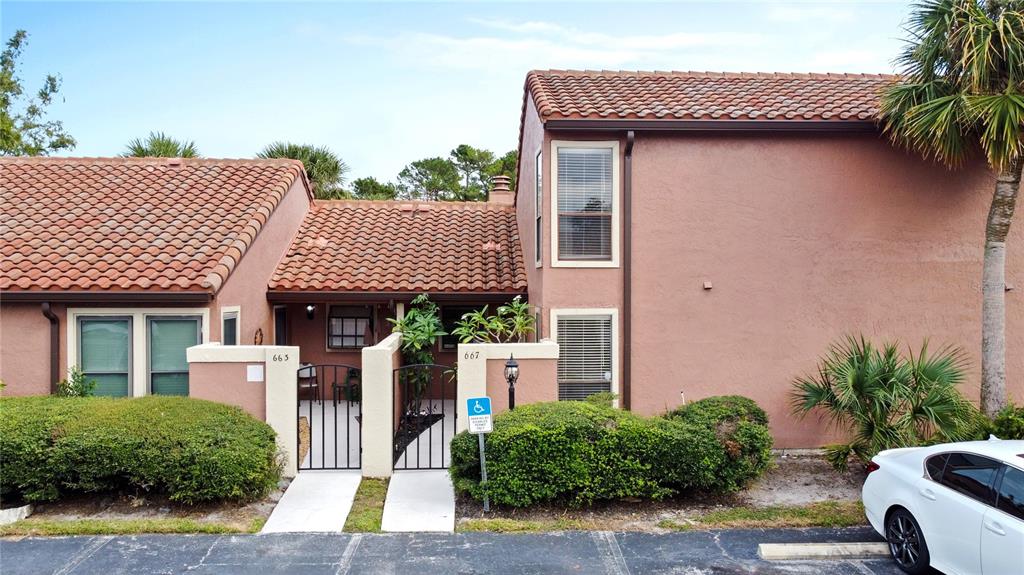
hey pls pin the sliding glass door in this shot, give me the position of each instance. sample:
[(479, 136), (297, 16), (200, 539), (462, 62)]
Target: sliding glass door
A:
[(105, 353), (169, 337)]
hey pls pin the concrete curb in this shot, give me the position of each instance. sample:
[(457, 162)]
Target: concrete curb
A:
[(14, 514), (789, 551)]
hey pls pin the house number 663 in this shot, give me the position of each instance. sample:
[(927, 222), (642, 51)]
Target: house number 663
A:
[(280, 357)]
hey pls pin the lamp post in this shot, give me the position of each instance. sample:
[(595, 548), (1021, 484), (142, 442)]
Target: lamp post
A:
[(511, 375)]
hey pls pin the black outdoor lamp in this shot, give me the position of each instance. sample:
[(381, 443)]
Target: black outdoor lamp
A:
[(310, 310), (511, 375)]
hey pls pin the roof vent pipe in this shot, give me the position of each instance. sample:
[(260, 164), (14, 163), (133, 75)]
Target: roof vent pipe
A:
[(501, 191)]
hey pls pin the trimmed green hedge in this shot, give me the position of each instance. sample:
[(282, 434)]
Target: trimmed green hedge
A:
[(584, 451), (190, 449)]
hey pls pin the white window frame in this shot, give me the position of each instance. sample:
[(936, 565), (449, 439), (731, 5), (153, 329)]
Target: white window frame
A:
[(226, 311), (609, 311), (139, 385), (538, 209), (553, 195)]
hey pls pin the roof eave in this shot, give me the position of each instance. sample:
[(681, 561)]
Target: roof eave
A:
[(127, 297), (313, 296), (665, 125)]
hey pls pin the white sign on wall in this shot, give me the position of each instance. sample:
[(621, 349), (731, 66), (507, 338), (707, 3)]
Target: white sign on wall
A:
[(254, 373)]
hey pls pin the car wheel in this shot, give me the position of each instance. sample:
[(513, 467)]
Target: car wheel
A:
[(906, 542)]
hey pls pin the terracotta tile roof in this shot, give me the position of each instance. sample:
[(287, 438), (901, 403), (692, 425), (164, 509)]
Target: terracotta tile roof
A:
[(562, 94), (132, 224), (404, 246)]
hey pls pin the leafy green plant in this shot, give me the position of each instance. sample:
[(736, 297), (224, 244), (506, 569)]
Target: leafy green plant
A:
[(884, 399), (1009, 423), (190, 449), (76, 384), (585, 451), (420, 328), (512, 322)]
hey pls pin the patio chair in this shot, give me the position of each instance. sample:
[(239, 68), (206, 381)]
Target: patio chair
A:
[(308, 382), (350, 388)]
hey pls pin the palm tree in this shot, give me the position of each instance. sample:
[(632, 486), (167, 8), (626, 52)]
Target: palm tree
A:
[(160, 145), (326, 171), (960, 90)]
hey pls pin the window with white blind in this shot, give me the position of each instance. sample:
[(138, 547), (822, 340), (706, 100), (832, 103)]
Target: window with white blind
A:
[(585, 176), (349, 327), (586, 353)]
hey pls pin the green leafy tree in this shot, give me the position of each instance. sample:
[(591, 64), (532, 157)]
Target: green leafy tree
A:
[(160, 145), (504, 166), (885, 400), (326, 171), (431, 179), (960, 90), (472, 164), (371, 189), (24, 129)]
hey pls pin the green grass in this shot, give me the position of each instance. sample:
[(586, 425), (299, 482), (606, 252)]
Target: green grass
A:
[(368, 506), (47, 527), (821, 514), (503, 525)]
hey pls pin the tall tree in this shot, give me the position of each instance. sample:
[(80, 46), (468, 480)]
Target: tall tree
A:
[(24, 129), (160, 145), (960, 90), (431, 179), (472, 164), (371, 189), (326, 171), (504, 166)]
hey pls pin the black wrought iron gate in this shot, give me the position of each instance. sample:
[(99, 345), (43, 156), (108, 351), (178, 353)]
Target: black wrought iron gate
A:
[(424, 398), (330, 417)]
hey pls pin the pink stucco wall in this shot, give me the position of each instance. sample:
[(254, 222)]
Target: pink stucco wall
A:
[(247, 285), (25, 348), (534, 384), (804, 238), (226, 383)]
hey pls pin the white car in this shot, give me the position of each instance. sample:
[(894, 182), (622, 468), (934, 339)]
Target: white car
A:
[(957, 507)]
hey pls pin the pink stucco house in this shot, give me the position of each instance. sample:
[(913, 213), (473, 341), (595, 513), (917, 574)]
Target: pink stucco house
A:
[(678, 234)]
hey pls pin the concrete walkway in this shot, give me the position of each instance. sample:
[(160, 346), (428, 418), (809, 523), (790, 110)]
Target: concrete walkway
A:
[(595, 553), (420, 501), (315, 502)]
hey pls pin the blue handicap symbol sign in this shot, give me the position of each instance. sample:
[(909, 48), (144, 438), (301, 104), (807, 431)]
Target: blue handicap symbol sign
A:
[(479, 405)]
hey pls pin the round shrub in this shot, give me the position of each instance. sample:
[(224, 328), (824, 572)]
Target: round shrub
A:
[(189, 449), (1009, 423), (586, 451), (721, 409)]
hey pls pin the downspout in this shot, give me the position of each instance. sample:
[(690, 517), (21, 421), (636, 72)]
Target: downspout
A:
[(54, 346), (627, 272)]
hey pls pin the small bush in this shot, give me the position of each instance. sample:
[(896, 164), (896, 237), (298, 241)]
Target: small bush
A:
[(76, 384), (721, 409), (587, 451), (1009, 423), (190, 449)]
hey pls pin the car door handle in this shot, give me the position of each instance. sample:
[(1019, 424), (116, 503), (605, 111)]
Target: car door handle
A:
[(927, 494), (994, 528)]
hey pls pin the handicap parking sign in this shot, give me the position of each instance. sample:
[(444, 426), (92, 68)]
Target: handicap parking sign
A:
[(479, 411)]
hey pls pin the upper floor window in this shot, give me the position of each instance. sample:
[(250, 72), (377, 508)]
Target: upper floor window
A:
[(586, 204), (538, 207)]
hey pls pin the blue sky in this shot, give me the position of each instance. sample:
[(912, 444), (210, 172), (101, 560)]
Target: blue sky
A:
[(384, 84)]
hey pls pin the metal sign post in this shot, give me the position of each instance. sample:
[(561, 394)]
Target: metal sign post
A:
[(480, 423)]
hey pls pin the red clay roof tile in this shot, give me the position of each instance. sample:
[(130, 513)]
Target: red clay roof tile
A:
[(132, 224), (573, 94), (401, 246)]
